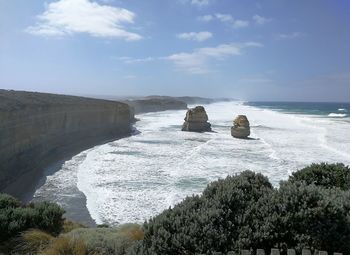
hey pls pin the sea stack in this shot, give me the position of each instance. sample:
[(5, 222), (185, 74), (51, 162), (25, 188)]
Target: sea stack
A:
[(196, 120), (241, 128)]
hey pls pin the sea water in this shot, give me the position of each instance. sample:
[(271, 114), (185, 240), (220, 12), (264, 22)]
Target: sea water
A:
[(135, 178)]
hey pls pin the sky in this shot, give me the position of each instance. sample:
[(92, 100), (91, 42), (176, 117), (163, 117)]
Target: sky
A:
[(271, 50)]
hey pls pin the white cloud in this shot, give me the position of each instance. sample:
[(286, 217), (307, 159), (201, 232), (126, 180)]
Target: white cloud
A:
[(128, 60), (290, 35), (240, 23), (205, 18), (198, 61), (200, 3), (200, 36), (224, 18), (260, 20), (65, 17)]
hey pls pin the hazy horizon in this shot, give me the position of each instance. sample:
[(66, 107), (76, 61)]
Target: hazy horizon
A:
[(254, 51)]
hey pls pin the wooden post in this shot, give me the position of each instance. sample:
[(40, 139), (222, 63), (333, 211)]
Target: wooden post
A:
[(322, 253), (231, 253), (291, 252), (245, 252), (337, 253), (275, 252), (305, 252), (260, 252)]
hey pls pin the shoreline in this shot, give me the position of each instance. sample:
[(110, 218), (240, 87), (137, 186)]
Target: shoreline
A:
[(26, 185)]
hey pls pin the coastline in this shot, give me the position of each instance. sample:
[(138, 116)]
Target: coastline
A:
[(26, 185)]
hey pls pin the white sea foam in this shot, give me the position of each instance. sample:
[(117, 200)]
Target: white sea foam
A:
[(337, 115), (132, 179), (341, 109)]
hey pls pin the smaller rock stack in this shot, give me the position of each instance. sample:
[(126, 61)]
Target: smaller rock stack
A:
[(241, 127), (196, 120)]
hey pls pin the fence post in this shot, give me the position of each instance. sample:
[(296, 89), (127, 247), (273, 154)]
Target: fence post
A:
[(231, 253), (245, 252), (275, 252), (305, 252), (217, 253), (260, 252), (322, 253), (291, 252), (337, 253)]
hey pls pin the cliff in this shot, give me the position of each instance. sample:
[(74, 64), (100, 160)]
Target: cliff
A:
[(156, 105), (37, 129)]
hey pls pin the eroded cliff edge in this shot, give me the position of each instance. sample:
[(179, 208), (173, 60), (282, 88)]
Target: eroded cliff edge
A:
[(37, 129)]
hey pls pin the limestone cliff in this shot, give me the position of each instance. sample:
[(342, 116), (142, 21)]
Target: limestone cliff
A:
[(36, 129), (156, 105)]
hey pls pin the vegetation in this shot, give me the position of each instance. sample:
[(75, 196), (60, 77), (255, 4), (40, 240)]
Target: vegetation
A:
[(16, 218), (109, 240), (244, 211), (309, 210), (325, 175)]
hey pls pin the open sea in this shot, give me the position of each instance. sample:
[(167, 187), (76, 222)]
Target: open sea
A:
[(135, 178)]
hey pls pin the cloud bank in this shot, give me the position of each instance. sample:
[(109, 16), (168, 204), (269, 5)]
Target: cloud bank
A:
[(198, 61), (66, 17)]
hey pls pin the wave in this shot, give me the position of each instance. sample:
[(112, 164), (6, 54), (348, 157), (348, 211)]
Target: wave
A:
[(337, 115), (133, 179), (341, 109)]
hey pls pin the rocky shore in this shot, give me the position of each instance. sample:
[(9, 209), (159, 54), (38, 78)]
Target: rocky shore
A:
[(38, 129)]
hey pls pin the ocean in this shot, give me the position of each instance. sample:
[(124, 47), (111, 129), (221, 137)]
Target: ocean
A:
[(135, 178)]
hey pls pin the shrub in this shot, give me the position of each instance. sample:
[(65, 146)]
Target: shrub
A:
[(68, 226), (33, 242), (109, 240), (7, 201), (15, 218), (244, 211), (326, 175), (65, 245), (206, 223), (299, 215)]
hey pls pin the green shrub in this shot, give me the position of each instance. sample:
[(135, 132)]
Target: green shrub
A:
[(244, 211), (108, 240), (298, 215), (15, 218), (7, 201), (326, 175), (206, 223)]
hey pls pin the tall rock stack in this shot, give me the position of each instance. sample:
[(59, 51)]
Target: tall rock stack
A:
[(241, 127), (196, 120)]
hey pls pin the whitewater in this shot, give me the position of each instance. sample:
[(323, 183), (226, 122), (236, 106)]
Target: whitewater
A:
[(135, 178)]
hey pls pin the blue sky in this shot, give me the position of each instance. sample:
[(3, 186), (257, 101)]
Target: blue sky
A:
[(254, 50)]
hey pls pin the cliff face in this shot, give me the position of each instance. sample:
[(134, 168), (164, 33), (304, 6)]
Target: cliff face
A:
[(156, 105), (37, 129)]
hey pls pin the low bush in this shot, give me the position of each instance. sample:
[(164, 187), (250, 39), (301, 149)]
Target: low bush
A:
[(108, 240), (207, 223), (65, 245), (33, 242), (325, 175), (244, 211), (15, 218), (68, 226), (298, 216)]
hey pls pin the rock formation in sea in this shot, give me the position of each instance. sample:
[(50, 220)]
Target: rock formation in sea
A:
[(196, 120), (38, 129), (241, 127)]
